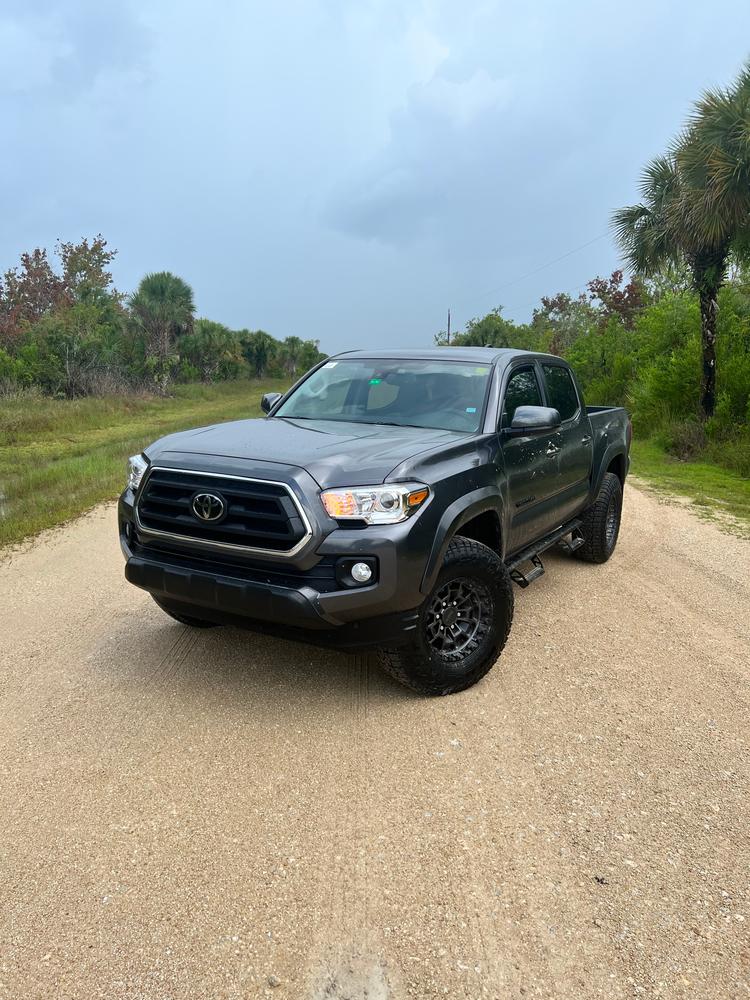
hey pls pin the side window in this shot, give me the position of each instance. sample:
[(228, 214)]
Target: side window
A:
[(561, 392), (522, 390)]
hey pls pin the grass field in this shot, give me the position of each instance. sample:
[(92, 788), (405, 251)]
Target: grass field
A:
[(60, 457), (711, 488)]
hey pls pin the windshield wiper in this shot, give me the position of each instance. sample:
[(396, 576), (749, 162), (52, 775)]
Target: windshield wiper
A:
[(350, 420), (388, 423)]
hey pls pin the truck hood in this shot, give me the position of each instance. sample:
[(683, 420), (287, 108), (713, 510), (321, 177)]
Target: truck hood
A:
[(334, 453)]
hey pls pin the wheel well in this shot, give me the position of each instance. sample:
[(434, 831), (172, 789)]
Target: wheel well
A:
[(617, 465), (484, 528)]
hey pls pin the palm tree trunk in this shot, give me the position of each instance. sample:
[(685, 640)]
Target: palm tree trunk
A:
[(708, 275), (709, 311)]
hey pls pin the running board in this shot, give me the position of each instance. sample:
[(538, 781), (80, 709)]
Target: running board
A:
[(576, 541), (533, 552), (524, 579)]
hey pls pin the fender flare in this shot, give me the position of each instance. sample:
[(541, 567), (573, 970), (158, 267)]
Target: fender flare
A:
[(613, 451), (454, 516)]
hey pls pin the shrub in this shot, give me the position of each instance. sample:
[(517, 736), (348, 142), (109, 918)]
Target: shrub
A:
[(685, 439)]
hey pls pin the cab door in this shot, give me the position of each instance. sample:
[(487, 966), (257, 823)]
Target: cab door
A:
[(576, 446), (531, 462)]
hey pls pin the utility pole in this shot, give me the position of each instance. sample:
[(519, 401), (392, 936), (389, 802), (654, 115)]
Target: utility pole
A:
[(449, 325)]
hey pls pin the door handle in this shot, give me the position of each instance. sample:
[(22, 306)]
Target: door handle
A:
[(586, 439), (552, 449)]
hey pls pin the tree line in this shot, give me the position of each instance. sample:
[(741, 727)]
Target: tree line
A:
[(65, 329), (638, 343)]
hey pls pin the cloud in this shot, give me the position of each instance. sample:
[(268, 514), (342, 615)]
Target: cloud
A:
[(62, 52), (460, 101), (418, 182)]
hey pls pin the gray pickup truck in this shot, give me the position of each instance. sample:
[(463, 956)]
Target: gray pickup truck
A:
[(388, 500)]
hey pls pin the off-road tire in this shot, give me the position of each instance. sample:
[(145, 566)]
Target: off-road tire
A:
[(429, 671), (183, 619), (599, 530)]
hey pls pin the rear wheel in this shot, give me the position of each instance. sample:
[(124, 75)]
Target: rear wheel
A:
[(601, 522), (463, 624), (167, 608)]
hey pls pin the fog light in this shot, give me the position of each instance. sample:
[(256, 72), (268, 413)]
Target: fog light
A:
[(361, 572)]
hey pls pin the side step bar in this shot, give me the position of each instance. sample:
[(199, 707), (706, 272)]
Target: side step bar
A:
[(524, 579), (533, 552)]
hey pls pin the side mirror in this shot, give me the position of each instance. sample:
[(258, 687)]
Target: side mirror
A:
[(269, 400), (529, 420)]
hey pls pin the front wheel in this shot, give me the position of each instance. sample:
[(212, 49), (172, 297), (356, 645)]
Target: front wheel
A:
[(601, 522), (463, 624)]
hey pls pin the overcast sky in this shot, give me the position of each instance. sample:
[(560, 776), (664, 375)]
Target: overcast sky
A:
[(346, 170)]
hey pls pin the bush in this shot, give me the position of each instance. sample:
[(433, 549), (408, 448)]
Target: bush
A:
[(685, 439)]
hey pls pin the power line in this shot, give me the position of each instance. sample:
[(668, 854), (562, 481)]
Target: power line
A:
[(542, 267), (527, 305)]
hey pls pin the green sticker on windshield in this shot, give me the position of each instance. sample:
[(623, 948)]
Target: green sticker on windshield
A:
[(481, 371)]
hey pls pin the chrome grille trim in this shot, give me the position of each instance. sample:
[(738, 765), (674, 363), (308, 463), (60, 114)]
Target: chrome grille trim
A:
[(146, 532)]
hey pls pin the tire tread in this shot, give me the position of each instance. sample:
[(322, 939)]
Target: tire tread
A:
[(411, 665), (594, 530)]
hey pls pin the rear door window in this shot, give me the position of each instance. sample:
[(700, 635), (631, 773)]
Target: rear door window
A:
[(561, 392), (522, 390)]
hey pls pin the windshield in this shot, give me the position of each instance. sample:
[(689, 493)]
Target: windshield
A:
[(447, 395)]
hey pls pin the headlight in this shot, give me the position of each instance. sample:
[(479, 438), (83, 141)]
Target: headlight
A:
[(375, 504), (137, 465)]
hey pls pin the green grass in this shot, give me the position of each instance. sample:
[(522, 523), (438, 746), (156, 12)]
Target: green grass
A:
[(711, 488), (60, 457)]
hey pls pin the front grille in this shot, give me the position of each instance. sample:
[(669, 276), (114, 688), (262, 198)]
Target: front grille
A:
[(259, 515)]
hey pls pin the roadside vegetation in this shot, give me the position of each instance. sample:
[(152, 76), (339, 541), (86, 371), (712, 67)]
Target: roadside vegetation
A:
[(672, 343), (66, 331), (89, 376), (59, 457), (712, 490)]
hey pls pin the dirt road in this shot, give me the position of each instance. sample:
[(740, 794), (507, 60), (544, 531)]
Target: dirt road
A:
[(212, 814)]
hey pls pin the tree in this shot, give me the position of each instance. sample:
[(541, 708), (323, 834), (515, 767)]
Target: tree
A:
[(617, 301), (291, 354), (28, 294), (258, 348), (561, 320), (695, 209), (163, 309), (492, 330), (212, 350), (85, 267)]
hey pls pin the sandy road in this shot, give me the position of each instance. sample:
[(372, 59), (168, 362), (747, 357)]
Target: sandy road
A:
[(211, 814)]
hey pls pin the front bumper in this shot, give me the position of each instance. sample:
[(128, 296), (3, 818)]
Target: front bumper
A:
[(290, 613), (299, 598)]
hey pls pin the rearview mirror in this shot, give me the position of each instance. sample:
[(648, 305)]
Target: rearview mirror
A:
[(533, 420), (269, 400)]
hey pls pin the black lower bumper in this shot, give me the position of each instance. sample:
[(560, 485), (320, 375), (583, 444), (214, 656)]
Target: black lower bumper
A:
[(263, 607)]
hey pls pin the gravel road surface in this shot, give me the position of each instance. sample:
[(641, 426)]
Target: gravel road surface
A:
[(210, 814)]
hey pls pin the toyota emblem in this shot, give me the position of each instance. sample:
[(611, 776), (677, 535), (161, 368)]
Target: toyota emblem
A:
[(208, 506)]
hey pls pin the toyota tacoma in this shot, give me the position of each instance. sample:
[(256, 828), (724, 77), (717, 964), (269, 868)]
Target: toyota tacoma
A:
[(388, 500)]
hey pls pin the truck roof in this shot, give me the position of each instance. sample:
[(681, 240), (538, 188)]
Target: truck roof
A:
[(481, 354)]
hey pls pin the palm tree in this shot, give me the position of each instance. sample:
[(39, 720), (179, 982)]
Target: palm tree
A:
[(695, 209), (291, 350), (258, 348), (163, 308)]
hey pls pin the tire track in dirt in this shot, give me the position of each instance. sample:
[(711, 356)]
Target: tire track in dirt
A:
[(347, 960)]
